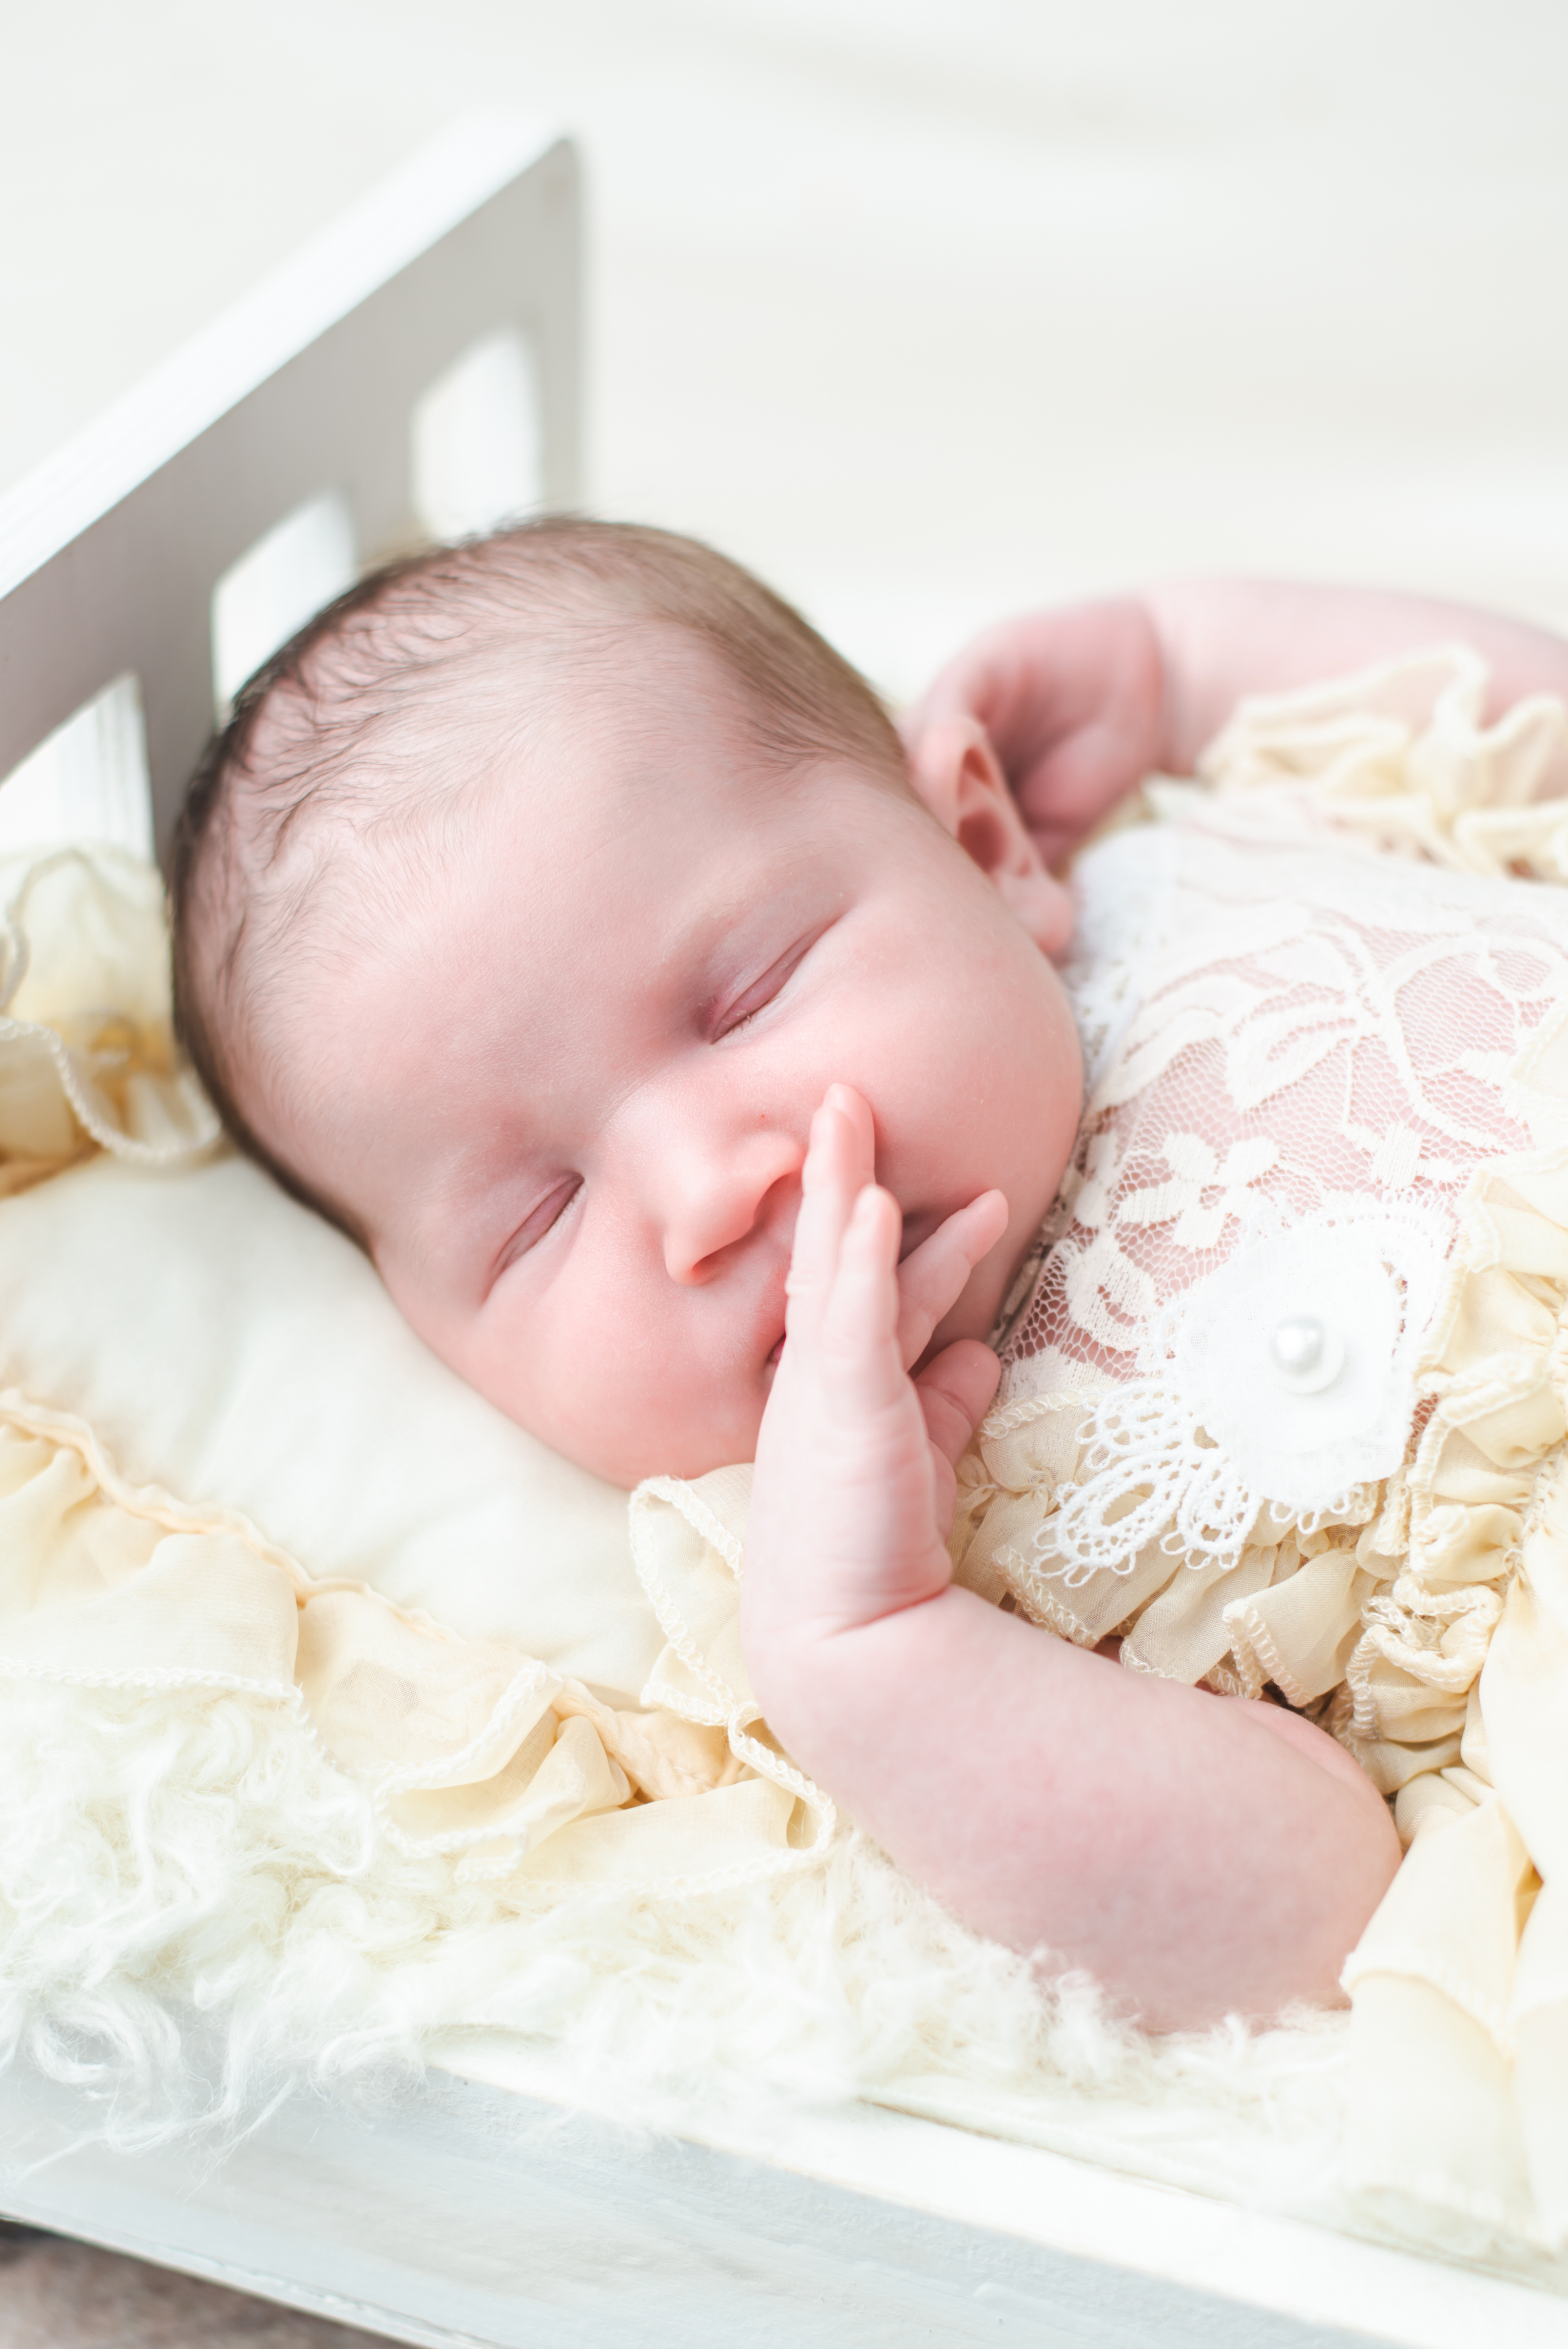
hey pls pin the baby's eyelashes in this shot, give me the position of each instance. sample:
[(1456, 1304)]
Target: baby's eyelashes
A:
[(540, 1221), (730, 1015)]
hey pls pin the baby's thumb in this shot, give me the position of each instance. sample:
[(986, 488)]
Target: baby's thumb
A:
[(955, 1390)]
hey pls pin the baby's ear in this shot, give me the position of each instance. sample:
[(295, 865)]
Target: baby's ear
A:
[(956, 773)]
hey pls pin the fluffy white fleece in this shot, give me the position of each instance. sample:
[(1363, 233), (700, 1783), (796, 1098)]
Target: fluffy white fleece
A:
[(198, 1915)]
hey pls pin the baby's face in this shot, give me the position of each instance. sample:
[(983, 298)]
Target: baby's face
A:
[(568, 1092)]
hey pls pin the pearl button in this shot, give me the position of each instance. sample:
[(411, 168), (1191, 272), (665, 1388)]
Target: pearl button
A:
[(1306, 1355)]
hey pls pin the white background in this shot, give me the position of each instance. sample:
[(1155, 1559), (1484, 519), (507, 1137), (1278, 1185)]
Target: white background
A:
[(927, 309)]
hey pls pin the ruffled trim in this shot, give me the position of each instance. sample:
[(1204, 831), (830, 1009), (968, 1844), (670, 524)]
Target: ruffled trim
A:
[(687, 1544), (88, 1057), (465, 1749), (1399, 755)]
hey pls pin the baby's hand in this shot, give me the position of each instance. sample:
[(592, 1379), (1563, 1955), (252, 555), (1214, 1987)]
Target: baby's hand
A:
[(1075, 704), (1187, 1849), (853, 1490)]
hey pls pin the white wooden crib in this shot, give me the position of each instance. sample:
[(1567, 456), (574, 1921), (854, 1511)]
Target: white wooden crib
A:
[(417, 370)]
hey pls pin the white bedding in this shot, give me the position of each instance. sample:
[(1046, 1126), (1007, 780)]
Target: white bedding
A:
[(237, 1352)]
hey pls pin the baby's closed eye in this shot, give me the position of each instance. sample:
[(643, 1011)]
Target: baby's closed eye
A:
[(729, 1015), (537, 1224)]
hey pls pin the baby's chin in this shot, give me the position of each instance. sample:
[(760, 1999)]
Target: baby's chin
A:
[(627, 1455)]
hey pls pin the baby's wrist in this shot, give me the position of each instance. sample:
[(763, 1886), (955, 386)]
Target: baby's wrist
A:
[(788, 1648), (827, 1689)]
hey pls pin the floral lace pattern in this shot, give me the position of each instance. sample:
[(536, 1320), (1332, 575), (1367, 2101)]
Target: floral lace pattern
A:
[(1274, 1153)]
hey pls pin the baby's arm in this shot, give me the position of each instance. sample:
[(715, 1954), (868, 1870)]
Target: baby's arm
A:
[(1083, 702), (1221, 638), (1198, 1854)]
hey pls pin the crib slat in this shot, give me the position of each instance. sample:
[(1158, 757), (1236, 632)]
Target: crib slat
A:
[(110, 550)]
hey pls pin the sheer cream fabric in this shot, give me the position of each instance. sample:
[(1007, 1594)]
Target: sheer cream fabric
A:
[(230, 1348), (468, 1747), (86, 1049)]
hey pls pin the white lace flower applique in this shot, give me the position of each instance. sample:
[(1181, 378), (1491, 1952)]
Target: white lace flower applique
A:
[(1113, 1296), (1280, 1384), (1198, 1172)]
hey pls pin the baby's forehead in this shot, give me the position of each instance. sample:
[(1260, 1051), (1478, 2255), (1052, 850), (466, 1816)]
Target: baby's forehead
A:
[(402, 722), (578, 765), (647, 731), (607, 789)]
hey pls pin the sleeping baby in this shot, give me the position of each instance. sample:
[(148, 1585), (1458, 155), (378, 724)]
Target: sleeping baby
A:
[(703, 1067)]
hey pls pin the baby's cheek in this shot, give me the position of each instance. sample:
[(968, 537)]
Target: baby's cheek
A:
[(623, 1409)]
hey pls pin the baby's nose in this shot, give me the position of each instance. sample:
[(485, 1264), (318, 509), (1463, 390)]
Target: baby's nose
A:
[(719, 1204)]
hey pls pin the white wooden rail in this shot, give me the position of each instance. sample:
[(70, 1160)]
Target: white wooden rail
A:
[(473, 2215), (110, 553)]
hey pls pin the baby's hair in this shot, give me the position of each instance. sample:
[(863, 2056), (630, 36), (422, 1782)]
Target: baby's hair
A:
[(377, 713)]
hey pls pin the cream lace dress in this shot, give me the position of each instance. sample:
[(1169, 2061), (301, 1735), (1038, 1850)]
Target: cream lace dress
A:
[(1285, 1402), (1285, 1384)]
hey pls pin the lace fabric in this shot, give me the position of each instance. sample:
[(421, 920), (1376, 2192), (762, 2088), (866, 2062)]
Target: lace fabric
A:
[(1287, 1401), (1317, 1063), (1277, 1403)]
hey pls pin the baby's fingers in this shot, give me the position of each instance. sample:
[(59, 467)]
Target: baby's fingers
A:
[(838, 1164), (954, 1392), (860, 1328), (932, 1277)]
